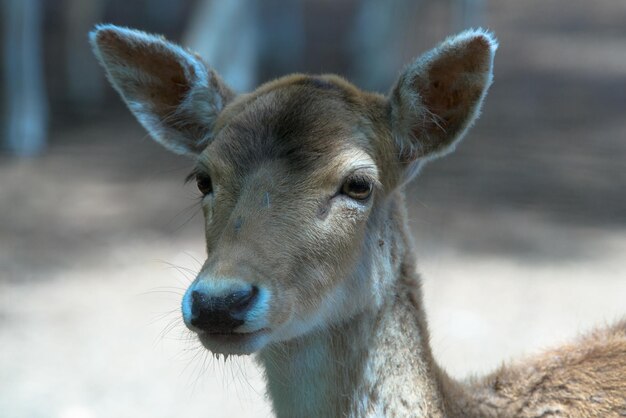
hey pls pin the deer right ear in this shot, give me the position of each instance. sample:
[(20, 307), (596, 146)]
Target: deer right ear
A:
[(173, 94), (438, 96)]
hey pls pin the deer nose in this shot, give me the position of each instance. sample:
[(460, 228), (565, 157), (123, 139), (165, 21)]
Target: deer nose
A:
[(221, 314)]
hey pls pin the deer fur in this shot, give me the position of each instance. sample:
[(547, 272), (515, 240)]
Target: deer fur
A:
[(339, 327)]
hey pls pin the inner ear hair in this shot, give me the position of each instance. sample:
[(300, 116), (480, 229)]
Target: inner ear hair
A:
[(169, 89), (439, 95)]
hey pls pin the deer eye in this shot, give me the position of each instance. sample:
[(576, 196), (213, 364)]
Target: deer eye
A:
[(358, 188), (204, 184)]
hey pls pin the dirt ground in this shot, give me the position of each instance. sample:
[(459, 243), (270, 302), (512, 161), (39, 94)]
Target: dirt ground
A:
[(521, 236)]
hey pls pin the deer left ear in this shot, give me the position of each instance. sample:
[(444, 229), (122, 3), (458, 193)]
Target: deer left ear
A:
[(170, 90), (438, 96)]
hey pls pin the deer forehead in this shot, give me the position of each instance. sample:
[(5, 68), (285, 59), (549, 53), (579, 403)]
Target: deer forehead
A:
[(305, 127)]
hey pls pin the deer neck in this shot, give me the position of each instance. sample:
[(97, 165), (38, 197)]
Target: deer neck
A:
[(377, 363)]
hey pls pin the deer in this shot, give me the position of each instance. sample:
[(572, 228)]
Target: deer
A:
[(310, 264)]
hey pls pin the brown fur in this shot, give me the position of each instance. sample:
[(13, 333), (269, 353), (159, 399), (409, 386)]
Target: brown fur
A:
[(586, 378), (345, 327)]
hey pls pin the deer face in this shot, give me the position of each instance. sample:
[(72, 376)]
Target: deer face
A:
[(288, 191), (295, 176)]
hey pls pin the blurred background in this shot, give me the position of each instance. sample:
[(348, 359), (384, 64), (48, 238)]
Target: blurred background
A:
[(521, 233)]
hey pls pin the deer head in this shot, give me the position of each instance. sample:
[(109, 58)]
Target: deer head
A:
[(296, 177)]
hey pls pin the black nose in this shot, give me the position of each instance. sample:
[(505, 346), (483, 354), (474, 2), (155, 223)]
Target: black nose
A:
[(221, 314)]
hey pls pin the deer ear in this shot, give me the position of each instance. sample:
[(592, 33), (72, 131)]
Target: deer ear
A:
[(438, 96), (173, 94)]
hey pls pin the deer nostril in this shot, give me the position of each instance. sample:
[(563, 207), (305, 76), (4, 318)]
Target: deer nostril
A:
[(242, 300), (197, 297)]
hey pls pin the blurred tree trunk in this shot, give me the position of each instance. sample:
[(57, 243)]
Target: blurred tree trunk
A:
[(226, 35), (24, 93), (468, 14), (380, 30), (85, 84), (375, 44)]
